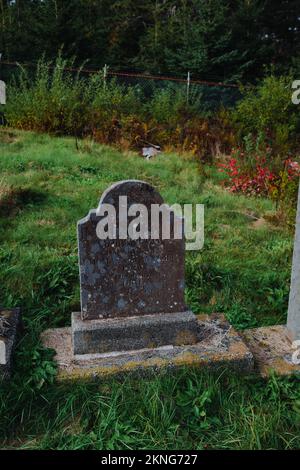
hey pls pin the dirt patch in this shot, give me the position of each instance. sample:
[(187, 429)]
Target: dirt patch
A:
[(259, 223), (8, 137), (44, 222)]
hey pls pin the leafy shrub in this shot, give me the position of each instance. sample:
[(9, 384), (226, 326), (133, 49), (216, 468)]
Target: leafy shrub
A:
[(108, 102), (285, 193), (166, 103), (248, 176), (259, 175), (256, 176), (268, 110), (170, 103)]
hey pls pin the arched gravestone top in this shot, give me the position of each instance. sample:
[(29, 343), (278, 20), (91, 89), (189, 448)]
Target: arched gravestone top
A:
[(137, 192), (123, 278)]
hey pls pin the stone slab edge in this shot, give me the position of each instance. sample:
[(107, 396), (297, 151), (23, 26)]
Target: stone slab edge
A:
[(221, 346)]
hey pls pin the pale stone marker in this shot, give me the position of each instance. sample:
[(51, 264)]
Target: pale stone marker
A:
[(10, 320), (293, 321), (2, 353), (2, 92)]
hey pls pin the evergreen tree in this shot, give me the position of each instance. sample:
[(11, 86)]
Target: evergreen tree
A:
[(220, 40)]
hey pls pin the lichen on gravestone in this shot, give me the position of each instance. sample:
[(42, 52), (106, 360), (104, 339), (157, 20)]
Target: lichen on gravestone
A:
[(125, 277)]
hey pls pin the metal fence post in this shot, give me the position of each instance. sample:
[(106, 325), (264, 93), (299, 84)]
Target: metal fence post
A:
[(188, 83), (105, 70), (2, 94)]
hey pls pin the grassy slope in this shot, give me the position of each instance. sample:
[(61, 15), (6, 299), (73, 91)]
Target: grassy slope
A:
[(46, 185)]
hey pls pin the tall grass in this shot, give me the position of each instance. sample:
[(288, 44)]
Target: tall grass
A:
[(187, 410), (55, 99)]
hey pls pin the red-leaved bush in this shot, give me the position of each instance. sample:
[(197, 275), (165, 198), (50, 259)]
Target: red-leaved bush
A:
[(253, 176)]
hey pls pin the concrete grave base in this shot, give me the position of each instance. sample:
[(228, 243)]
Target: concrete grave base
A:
[(219, 346), (272, 350), (133, 333), (10, 320)]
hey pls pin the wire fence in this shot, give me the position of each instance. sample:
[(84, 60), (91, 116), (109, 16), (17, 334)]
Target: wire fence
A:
[(212, 95)]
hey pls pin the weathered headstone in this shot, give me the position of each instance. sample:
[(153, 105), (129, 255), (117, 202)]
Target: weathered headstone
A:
[(293, 321), (133, 316), (132, 291), (2, 92), (123, 277), (9, 324)]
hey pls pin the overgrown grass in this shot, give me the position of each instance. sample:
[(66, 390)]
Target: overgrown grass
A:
[(186, 410), (54, 99), (46, 185)]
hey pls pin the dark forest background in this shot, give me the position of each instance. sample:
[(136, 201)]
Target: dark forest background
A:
[(224, 40)]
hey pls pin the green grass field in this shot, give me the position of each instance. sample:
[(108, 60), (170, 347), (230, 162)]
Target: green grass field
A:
[(46, 185)]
